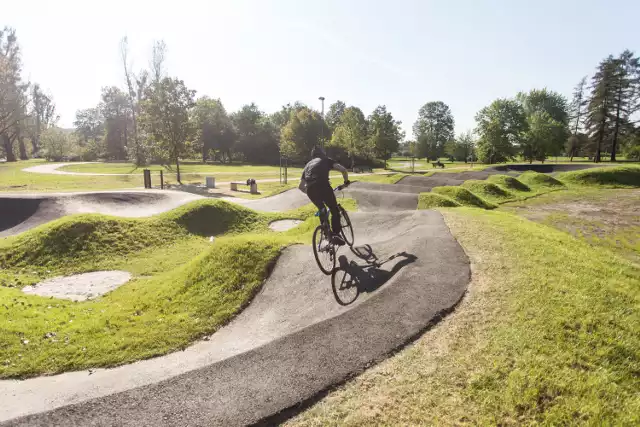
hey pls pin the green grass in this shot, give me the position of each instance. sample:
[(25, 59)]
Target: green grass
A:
[(463, 196), (549, 334), (508, 183), (620, 176), (184, 286), (434, 200), (13, 179), (536, 180), (187, 168), (489, 191)]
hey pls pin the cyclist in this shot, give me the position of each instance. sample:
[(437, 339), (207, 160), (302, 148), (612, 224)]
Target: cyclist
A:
[(315, 183)]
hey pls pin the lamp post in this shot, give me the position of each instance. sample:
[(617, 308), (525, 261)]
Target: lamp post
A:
[(322, 126)]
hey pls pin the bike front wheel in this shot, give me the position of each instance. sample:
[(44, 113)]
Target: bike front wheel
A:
[(347, 228), (323, 250)]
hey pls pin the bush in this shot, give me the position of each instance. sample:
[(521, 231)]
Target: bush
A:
[(619, 176), (464, 197), (59, 145), (433, 200)]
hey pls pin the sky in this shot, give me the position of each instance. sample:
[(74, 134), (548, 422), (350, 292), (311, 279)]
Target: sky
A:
[(398, 53)]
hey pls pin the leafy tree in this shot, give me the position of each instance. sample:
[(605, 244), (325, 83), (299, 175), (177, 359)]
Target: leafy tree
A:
[(385, 133), (257, 135), (302, 132), (89, 124), (165, 117), (541, 136), (214, 129), (133, 96), (548, 110), (500, 126), (333, 116), (631, 145), (58, 144), (116, 112), (434, 127), (464, 147), (351, 135)]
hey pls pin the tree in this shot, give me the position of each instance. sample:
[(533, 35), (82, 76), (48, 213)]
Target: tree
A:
[(500, 126), (58, 144), (351, 135), (302, 132), (434, 127), (625, 82), (214, 130), (577, 106), (257, 136), (464, 146), (548, 110), (13, 99), (576, 143), (165, 117), (333, 116), (541, 136), (598, 121), (138, 156), (631, 145), (42, 115), (116, 111), (385, 133), (89, 124)]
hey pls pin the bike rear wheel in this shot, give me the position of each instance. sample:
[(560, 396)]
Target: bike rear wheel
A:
[(323, 250), (347, 228)]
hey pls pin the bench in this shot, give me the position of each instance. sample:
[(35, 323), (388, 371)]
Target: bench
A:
[(360, 169), (438, 164), (251, 183)]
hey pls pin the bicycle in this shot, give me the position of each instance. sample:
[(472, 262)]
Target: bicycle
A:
[(324, 249)]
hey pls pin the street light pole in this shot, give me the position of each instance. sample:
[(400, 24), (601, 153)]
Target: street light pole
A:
[(322, 127)]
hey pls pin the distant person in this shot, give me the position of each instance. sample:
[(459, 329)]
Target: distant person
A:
[(315, 183)]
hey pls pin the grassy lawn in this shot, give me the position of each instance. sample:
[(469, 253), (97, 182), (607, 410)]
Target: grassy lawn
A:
[(549, 333), (232, 169), (184, 286), (13, 179)]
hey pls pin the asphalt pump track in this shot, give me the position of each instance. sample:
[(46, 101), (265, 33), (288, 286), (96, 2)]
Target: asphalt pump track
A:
[(293, 341)]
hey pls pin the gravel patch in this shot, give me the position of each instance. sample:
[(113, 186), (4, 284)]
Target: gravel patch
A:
[(80, 287), (284, 224)]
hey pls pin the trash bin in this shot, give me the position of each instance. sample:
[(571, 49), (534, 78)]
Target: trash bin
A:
[(211, 182)]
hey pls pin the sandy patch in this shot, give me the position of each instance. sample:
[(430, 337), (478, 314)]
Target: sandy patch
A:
[(80, 287), (284, 224)]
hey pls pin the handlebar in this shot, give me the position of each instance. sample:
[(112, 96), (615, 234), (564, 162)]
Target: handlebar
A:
[(343, 186)]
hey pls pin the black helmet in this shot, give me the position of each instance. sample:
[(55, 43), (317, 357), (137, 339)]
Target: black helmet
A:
[(318, 152)]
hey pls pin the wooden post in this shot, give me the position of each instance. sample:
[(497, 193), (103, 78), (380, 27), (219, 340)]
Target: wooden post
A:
[(161, 180), (147, 178)]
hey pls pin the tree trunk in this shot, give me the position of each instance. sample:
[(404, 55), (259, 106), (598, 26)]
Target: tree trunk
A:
[(36, 139), (8, 148), (177, 167), (23, 149)]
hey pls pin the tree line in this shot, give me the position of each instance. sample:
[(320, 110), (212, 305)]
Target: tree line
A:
[(26, 111)]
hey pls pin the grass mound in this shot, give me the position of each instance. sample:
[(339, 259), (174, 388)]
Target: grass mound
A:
[(145, 318), (488, 191), (619, 176), (93, 236), (433, 200), (464, 197), (508, 182), (536, 180)]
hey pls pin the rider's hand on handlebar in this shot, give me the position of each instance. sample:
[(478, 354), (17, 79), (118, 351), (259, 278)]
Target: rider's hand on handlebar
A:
[(346, 183)]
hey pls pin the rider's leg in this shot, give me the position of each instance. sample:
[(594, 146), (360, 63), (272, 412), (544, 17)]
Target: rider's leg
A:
[(316, 196), (330, 200)]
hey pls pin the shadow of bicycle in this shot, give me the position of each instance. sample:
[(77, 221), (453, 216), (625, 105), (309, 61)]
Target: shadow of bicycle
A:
[(350, 279)]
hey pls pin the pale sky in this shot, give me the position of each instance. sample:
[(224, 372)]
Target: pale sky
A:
[(399, 53)]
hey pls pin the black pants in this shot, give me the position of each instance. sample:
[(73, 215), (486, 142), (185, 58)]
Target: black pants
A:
[(321, 194)]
